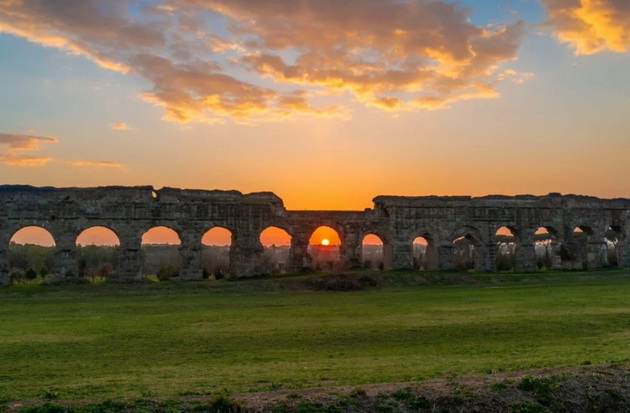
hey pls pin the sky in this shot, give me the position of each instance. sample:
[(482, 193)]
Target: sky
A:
[(327, 103)]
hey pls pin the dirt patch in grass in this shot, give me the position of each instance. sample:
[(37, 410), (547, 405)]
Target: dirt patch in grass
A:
[(601, 388), (590, 388)]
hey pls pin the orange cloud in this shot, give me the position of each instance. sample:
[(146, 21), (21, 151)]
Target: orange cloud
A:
[(108, 164), (15, 145), (120, 126), (25, 160), (514, 76), (388, 54), (591, 26)]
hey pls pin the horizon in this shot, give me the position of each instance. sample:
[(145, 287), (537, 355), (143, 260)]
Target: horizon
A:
[(323, 102)]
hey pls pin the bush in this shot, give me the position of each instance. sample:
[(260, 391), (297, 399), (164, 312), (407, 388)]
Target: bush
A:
[(108, 406), (542, 386), (30, 274), (151, 278), (166, 272), (340, 282), (17, 275), (103, 270), (310, 407), (219, 404)]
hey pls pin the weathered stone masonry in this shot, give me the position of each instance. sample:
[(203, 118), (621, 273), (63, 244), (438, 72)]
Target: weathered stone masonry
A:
[(131, 211)]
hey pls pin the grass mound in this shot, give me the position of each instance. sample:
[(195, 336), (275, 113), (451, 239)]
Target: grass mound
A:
[(338, 282)]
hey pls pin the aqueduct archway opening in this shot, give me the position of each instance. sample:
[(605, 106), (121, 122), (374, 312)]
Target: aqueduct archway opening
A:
[(277, 248), (30, 254), (161, 253), (97, 252), (215, 256), (323, 248)]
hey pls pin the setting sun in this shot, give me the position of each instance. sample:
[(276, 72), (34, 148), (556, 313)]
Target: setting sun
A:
[(325, 236)]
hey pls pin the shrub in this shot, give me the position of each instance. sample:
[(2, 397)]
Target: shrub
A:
[(166, 272), (16, 275), (387, 406), (357, 393), (310, 407), (96, 279), (30, 274), (49, 395), (219, 404), (542, 386), (151, 278), (103, 269), (108, 406), (404, 394), (419, 402), (499, 386)]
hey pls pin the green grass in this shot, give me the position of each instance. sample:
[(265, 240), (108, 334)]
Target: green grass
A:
[(110, 341)]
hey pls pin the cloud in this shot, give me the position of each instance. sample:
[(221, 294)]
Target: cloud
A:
[(107, 164), (95, 29), (14, 145), (385, 53), (25, 160), (514, 76), (591, 26), (120, 126), (274, 56)]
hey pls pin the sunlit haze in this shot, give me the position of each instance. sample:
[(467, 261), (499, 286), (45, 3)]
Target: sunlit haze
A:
[(325, 103)]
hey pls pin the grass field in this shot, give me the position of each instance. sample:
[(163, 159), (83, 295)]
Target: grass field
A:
[(109, 341)]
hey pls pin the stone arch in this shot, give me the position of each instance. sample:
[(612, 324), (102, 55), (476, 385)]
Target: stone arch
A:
[(424, 247), (507, 243), (546, 240), (30, 253), (593, 246), (161, 250), (468, 249), (574, 250), (324, 245), (372, 251), (97, 251), (615, 241), (276, 243), (217, 244)]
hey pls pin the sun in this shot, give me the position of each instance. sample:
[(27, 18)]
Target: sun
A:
[(325, 241)]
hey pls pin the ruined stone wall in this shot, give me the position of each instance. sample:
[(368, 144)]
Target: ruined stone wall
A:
[(131, 211)]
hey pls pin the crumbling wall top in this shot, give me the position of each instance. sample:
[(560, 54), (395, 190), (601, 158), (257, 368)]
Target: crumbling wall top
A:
[(553, 199)]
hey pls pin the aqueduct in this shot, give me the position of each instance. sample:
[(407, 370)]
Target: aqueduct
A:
[(131, 211)]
